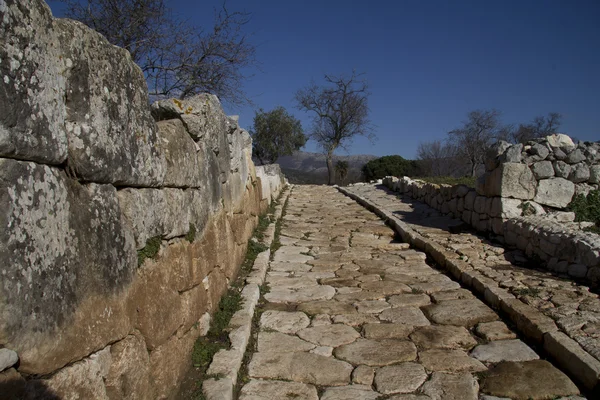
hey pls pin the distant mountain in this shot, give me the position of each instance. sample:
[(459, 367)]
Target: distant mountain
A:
[(303, 167)]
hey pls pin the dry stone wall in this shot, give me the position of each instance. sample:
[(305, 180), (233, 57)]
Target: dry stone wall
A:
[(91, 178), (521, 199)]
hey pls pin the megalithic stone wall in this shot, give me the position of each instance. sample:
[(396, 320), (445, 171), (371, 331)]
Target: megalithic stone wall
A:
[(87, 177), (521, 200)]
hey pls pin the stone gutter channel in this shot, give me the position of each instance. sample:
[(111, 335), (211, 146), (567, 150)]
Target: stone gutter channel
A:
[(226, 364), (529, 321)]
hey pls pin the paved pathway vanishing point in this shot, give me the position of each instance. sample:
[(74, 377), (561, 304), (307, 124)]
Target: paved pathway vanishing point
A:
[(352, 313)]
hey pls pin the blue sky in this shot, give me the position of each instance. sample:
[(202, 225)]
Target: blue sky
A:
[(428, 63)]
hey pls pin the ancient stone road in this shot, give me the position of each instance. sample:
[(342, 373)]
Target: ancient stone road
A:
[(353, 314)]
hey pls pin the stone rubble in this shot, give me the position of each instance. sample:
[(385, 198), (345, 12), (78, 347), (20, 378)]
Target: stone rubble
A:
[(394, 326)]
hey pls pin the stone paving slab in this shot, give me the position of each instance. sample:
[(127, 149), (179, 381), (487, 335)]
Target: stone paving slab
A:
[(539, 303), (385, 331)]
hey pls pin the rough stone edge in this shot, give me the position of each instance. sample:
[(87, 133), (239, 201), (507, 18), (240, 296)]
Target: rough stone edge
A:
[(227, 363), (530, 322)]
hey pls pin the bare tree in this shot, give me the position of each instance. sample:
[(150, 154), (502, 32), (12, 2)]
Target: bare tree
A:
[(474, 138), (540, 127), (177, 58), (340, 112)]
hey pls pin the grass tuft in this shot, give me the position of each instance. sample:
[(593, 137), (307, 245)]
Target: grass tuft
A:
[(150, 250)]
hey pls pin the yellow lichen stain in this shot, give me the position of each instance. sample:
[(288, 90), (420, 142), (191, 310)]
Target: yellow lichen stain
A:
[(140, 136), (178, 103), (189, 110)]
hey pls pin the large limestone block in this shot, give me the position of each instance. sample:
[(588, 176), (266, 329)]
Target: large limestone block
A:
[(112, 136), (184, 160), (81, 380), (71, 92), (555, 192), (169, 364), (536, 379), (509, 180), (154, 303), (205, 122), (65, 259), (300, 367), (156, 212), (129, 373), (32, 107)]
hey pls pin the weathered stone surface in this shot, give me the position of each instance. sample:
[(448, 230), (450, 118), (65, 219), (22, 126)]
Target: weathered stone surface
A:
[(326, 307), (402, 378), (102, 97), (156, 308), (594, 174), (409, 300), (372, 306), (129, 373), (295, 258), (443, 386), (165, 362), (505, 207), (306, 294), (333, 335), (362, 392), (326, 351), (300, 367), (435, 286), (13, 385), (363, 375), (561, 169), (387, 331), (97, 106), (510, 180), (579, 173), (404, 315), (72, 238), (277, 342), (452, 295), (268, 390), (453, 361), (355, 319), (443, 337), (562, 141), (284, 321), (555, 192), (536, 379), (543, 169), (183, 161), (8, 358), (33, 114), (576, 156), (377, 352), (154, 212), (221, 389), (460, 312), (81, 380), (573, 358), (496, 330), (386, 288)]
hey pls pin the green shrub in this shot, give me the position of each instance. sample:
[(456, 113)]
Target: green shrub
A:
[(388, 166), (586, 208), (191, 235), (150, 250)]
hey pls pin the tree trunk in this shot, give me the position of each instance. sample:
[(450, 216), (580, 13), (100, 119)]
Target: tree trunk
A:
[(473, 169), (330, 169)]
